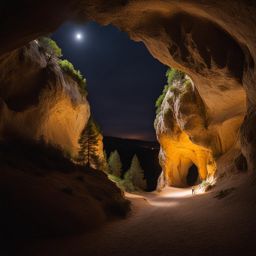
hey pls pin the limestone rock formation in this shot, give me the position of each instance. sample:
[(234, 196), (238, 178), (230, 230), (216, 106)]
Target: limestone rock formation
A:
[(190, 138), (43, 193), (39, 101)]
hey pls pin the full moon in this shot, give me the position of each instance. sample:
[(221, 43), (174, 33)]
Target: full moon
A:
[(78, 36)]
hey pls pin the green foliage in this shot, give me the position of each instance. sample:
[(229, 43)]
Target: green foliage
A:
[(133, 179), (174, 90), (135, 174), (115, 164), (123, 184), (68, 67), (187, 84), (160, 99), (53, 50), (50, 46), (172, 75), (127, 185), (89, 149), (114, 178)]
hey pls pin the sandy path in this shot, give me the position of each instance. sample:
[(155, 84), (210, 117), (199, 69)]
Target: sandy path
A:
[(170, 223)]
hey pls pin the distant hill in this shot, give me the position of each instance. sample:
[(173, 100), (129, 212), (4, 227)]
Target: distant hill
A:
[(147, 152)]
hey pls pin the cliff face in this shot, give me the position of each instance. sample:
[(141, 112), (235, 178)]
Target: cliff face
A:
[(189, 137), (39, 101), (43, 110)]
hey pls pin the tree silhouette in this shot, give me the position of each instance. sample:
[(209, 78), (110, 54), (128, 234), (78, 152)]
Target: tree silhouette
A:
[(115, 164), (91, 150), (135, 174)]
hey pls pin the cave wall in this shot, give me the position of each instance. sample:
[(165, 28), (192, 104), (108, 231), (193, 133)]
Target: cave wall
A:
[(39, 101), (212, 41), (188, 136)]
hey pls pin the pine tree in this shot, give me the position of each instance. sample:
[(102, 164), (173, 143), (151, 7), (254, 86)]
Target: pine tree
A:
[(115, 164), (135, 174), (90, 139)]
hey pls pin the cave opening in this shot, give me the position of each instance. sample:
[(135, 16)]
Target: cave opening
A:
[(192, 176), (119, 73)]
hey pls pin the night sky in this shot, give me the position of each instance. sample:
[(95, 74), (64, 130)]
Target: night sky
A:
[(123, 79)]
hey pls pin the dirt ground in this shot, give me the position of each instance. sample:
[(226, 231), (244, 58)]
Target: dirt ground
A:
[(172, 222)]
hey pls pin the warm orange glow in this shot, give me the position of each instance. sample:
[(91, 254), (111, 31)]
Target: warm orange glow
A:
[(64, 123), (179, 153)]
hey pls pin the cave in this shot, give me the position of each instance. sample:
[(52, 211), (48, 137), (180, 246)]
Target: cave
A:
[(192, 176), (208, 120)]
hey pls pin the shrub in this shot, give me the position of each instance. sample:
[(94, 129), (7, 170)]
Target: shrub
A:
[(187, 84), (50, 46), (174, 90), (68, 67), (172, 75), (53, 50), (160, 99)]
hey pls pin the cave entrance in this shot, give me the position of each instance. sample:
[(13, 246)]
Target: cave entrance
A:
[(119, 73), (192, 176)]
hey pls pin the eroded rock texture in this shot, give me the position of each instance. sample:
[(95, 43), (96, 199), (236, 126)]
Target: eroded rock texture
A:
[(39, 101), (191, 141), (212, 41)]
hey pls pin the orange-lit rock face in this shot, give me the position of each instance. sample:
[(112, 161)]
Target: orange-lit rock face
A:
[(38, 101), (188, 136), (177, 156)]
